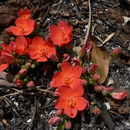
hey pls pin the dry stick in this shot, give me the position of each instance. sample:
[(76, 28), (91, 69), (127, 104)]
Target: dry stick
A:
[(33, 115), (89, 24), (44, 90), (10, 94)]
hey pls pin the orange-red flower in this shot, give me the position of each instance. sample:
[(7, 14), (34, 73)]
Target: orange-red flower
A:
[(19, 46), (6, 57), (23, 27), (3, 67), (41, 49), (61, 34), (71, 101), (68, 76), (24, 13)]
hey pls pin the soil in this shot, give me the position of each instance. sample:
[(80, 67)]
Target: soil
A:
[(32, 109)]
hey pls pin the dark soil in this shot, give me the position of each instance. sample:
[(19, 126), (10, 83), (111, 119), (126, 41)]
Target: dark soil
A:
[(31, 110)]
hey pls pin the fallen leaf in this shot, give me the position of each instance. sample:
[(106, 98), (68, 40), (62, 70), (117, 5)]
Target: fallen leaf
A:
[(110, 82), (102, 59), (109, 37)]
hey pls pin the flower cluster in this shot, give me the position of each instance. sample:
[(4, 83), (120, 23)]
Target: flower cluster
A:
[(24, 24), (69, 89), (26, 51)]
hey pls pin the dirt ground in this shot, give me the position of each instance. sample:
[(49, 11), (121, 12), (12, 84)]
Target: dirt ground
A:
[(31, 110)]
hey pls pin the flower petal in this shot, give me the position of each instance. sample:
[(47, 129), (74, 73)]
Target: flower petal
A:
[(81, 103), (3, 66), (61, 103), (70, 111), (68, 92)]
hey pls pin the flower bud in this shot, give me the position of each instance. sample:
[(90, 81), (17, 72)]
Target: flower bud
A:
[(33, 66), (76, 61), (92, 68), (23, 71), (89, 46), (28, 65), (84, 82), (116, 51), (59, 112), (30, 84), (96, 77), (53, 120), (19, 83), (83, 50), (119, 95), (96, 111), (68, 125), (66, 57), (98, 88)]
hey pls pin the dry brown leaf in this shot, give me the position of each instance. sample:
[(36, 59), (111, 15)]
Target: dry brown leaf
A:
[(102, 59)]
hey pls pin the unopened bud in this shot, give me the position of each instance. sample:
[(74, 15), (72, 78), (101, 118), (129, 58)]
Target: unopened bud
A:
[(23, 71), (98, 88), (66, 57), (92, 68), (25, 80), (96, 77), (84, 82), (53, 120), (89, 46), (116, 51), (68, 125), (119, 95), (59, 112), (28, 65), (33, 66), (19, 83), (76, 61), (30, 84), (96, 111), (83, 50)]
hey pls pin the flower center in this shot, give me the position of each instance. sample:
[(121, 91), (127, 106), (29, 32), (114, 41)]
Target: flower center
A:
[(71, 102), (43, 52), (67, 80)]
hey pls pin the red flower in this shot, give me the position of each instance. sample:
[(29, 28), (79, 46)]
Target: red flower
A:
[(3, 67), (6, 54), (119, 95), (71, 101), (19, 46), (24, 13), (6, 57), (61, 34), (23, 27), (68, 76), (41, 49)]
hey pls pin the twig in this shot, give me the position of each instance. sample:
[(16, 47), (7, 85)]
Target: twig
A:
[(44, 90), (10, 94), (33, 115), (89, 24)]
